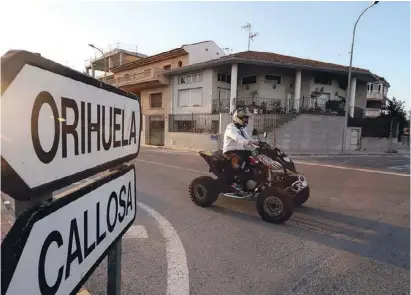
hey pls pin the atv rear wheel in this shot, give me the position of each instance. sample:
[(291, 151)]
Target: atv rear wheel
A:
[(274, 205), (301, 197), (203, 191)]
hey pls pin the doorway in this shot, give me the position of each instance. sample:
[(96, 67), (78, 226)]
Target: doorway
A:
[(156, 130)]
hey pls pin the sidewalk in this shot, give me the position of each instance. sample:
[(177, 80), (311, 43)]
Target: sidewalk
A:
[(401, 152)]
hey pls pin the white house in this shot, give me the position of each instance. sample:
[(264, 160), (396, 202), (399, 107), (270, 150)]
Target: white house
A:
[(270, 80), (376, 97)]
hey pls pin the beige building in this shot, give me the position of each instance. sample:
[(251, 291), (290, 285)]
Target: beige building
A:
[(146, 78)]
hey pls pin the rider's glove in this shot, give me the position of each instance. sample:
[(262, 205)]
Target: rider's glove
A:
[(255, 142)]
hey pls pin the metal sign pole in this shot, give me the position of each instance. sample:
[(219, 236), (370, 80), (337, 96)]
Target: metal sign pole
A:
[(114, 269)]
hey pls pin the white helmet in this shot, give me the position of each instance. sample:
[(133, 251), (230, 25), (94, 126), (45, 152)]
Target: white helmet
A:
[(241, 116)]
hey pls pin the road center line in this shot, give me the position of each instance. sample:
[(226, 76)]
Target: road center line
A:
[(177, 268), (297, 162)]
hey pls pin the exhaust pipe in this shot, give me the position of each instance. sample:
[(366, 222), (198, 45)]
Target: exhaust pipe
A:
[(234, 196)]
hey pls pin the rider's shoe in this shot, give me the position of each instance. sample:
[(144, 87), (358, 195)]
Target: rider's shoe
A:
[(237, 186)]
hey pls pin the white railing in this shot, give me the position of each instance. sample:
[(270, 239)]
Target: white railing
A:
[(372, 113)]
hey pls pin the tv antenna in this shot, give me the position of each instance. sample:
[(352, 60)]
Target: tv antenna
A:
[(228, 51), (251, 35)]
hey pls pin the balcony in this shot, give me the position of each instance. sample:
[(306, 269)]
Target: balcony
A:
[(375, 95), (147, 78), (372, 113)]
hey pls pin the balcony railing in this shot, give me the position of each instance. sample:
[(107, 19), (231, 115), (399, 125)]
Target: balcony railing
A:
[(375, 95), (153, 74), (264, 105), (372, 113)]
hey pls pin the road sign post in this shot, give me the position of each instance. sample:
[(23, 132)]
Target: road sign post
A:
[(59, 127), (67, 126), (114, 269), (54, 247)]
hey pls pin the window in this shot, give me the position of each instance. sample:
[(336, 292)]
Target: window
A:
[(191, 78), (197, 77), (167, 67), (180, 63), (251, 79), (223, 93), (375, 87), (190, 97), (156, 100), (222, 77), (322, 79), (273, 79)]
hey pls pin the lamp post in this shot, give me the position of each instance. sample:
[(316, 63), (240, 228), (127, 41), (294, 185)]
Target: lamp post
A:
[(104, 57), (348, 94)]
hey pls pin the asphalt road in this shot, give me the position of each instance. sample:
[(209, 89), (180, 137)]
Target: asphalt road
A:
[(394, 163), (351, 237)]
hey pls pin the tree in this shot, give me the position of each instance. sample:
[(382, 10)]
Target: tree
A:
[(395, 110)]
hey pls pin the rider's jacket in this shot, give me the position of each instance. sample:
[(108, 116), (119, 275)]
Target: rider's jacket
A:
[(235, 138)]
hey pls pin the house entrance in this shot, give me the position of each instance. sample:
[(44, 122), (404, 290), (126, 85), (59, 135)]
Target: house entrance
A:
[(156, 130)]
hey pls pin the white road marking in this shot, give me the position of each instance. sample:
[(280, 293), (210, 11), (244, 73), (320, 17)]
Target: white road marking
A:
[(136, 232), (351, 168), (177, 268), (297, 162)]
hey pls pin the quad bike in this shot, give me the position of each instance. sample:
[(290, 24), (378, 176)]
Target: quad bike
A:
[(273, 182)]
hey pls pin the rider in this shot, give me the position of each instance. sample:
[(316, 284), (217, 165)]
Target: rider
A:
[(236, 139)]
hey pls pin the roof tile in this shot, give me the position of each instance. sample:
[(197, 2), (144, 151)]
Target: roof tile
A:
[(285, 59)]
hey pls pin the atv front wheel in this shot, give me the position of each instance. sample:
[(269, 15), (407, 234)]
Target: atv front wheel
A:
[(301, 197), (202, 191), (274, 205)]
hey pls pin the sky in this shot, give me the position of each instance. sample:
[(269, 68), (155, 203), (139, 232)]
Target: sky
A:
[(60, 30)]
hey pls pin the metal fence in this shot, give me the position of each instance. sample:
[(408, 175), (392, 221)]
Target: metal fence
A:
[(261, 105), (309, 105), (267, 105), (194, 123)]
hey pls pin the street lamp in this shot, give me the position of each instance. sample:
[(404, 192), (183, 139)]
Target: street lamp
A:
[(104, 57), (347, 100)]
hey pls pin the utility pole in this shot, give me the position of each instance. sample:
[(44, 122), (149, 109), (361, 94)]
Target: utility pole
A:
[(348, 93), (251, 35)]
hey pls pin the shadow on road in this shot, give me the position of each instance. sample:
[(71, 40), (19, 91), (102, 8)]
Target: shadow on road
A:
[(371, 239)]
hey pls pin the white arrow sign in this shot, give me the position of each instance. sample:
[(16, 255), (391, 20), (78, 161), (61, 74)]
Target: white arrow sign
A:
[(58, 128), (53, 248)]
